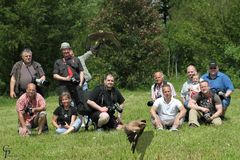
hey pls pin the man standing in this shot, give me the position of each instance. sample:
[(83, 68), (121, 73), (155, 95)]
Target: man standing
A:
[(191, 71), (219, 83), (104, 100), (24, 72), (167, 111), (69, 72), (31, 108), (205, 106)]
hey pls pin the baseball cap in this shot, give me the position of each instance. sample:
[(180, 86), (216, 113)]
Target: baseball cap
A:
[(65, 45), (213, 64)]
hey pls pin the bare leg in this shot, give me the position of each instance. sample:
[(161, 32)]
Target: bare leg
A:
[(41, 122)]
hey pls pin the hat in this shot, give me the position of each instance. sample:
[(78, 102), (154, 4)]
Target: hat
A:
[(65, 45), (213, 64)]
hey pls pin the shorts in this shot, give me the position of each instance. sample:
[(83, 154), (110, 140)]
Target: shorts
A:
[(112, 123)]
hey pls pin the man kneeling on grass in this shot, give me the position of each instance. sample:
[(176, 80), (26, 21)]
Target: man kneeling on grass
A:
[(205, 106), (31, 108), (167, 111)]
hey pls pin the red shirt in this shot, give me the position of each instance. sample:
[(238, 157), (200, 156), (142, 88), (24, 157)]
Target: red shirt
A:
[(23, 102)]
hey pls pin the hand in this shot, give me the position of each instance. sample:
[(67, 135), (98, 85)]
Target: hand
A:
[(66, 125), (204, 110), (80, 84), (176, 122), (67, 78), (221, 93), (23, 131), (12, 94), (119, 120), (103, 109), (209, 119)]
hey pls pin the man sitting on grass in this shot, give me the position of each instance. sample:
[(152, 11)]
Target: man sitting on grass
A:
[(167, 111), (205, 106), (31, 108)]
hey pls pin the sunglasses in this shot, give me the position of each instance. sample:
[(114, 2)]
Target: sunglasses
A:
[(212, 68)]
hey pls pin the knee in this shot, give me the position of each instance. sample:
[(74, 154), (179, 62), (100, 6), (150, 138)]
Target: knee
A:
[(43, 115), (192, 112), (104, 118)]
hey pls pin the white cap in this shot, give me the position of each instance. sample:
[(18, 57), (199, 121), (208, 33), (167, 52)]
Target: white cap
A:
[(65, 45)]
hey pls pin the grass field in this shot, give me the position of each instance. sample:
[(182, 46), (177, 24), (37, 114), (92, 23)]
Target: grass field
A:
[(205, 142)]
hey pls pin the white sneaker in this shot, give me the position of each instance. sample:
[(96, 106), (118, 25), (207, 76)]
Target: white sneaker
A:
[(173, 129), (159, 129)]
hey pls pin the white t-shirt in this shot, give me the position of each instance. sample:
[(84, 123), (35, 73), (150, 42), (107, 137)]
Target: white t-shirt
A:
[(167, 111)]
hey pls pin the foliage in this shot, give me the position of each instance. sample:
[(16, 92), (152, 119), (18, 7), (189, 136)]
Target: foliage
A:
[(41, 26), (200, 31), (137, 26), (196, 32)]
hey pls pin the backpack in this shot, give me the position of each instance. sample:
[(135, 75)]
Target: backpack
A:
[(82, 106)]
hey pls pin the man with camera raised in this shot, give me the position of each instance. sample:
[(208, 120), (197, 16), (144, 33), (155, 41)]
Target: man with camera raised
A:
[(24, 72), (205, 106), (31, 108), (105, 100), (69, 72)]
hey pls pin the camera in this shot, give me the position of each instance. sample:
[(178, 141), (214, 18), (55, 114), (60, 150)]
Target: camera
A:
[(150, 103), (74, 80), (61, 121), (41, 82), (116, 106), (219, 92), (28, 110), (207, 116)]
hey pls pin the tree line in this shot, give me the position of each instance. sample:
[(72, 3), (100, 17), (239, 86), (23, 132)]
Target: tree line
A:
[(195, 32)]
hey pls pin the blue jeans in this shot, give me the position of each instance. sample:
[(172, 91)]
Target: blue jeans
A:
[(85, 86), (226, 102)]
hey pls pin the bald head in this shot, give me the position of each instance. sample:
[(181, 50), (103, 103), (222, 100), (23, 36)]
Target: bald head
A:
[(31, 90), (191, 70)]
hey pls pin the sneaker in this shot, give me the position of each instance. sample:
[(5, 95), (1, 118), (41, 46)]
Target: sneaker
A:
[(99, 129), (173, 129), (159, 129), (192, 125)]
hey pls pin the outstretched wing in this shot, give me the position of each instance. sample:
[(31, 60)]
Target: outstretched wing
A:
[(101, 37), (134, 130)]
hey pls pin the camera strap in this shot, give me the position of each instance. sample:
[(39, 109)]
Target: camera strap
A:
[(109, 97)]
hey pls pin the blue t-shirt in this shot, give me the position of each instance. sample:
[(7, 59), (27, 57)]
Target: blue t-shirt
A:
[(221, 82)]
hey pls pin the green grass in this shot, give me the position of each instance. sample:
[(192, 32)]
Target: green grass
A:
[(205, 142)]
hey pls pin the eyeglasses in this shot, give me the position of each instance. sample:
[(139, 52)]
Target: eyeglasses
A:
[(212, 68)]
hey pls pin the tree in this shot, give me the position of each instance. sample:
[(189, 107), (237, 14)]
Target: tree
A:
[(137, 26)]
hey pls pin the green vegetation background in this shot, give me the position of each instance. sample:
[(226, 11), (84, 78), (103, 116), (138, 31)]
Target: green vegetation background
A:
[(196, 32)]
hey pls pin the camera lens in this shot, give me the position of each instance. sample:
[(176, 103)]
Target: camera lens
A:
[(150, 103)]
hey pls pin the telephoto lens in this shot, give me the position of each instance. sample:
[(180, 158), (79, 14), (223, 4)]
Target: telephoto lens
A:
[(118, 108), (150, 103)]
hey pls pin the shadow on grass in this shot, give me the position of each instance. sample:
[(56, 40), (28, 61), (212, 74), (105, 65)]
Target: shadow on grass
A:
[(143, 142)]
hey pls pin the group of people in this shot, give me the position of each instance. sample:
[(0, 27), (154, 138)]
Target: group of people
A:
[(72, 75), (205, 98)]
